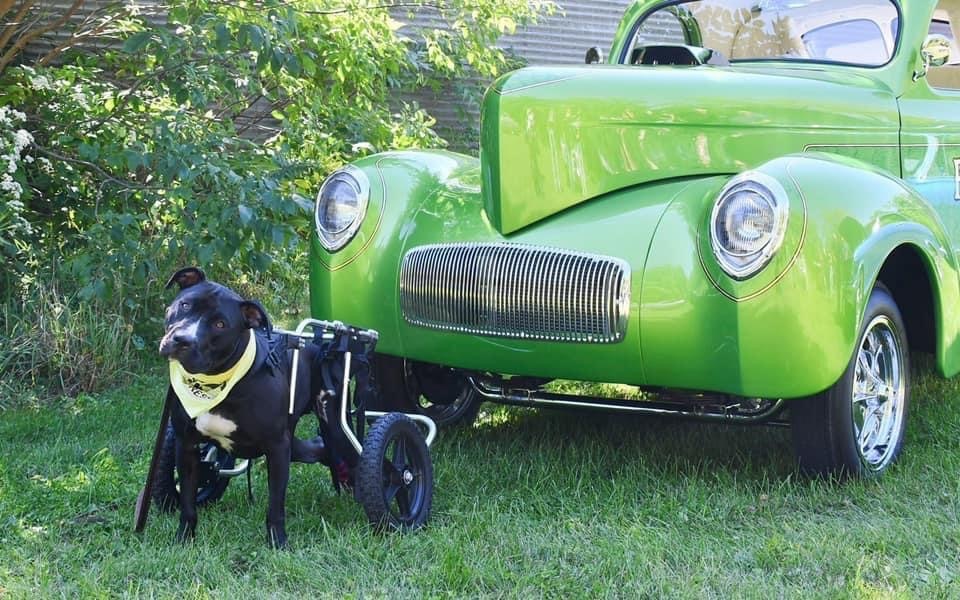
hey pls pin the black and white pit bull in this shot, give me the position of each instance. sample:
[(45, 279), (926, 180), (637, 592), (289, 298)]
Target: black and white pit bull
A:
[(229, 386)]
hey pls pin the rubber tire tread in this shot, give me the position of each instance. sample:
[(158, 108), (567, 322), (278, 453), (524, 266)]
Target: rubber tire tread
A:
[(822, 424), (388, 374), (465, 416), (369, 474)]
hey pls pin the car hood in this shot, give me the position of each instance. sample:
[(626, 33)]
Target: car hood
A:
[(552, 137)]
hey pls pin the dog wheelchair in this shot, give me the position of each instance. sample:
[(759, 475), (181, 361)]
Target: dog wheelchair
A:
[(390, 472)]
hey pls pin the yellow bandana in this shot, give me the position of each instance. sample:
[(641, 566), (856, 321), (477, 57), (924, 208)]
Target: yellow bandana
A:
[(199, 392)]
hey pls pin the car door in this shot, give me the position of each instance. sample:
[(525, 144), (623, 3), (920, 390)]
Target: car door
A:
[(930, 121)]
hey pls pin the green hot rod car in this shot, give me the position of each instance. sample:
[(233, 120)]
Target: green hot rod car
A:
[(751, 207)]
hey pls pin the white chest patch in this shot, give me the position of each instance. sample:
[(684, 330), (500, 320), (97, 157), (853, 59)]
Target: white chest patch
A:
[(216, 427)]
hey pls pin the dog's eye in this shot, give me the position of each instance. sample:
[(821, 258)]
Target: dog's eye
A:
[(220, 324), (185, 305)]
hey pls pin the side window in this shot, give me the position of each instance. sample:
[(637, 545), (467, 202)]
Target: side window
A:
[(947, 76), (662, 27), (857, 41)]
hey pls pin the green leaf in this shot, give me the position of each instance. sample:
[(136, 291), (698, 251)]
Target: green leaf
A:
[(134, 159), (205, 253), (136, 42), (276, 60), (88, 152), (255, 36), (292, 65), (223, 36), (309, 65), (278, 235), (246, 215), (305, 205)]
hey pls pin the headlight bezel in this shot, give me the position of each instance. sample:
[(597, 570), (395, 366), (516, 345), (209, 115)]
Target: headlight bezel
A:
[(745, 265), (334, 240)]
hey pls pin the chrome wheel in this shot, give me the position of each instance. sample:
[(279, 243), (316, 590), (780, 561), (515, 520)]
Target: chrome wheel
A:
[(857, 426), (878, 394)]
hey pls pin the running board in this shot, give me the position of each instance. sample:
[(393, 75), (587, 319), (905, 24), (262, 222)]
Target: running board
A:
[(717, 409)]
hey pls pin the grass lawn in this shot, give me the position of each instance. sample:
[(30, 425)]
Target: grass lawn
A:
[(526, 504)]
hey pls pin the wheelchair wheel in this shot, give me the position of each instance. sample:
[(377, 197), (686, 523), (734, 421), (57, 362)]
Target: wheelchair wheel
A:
[(166, 488), (394, 481)]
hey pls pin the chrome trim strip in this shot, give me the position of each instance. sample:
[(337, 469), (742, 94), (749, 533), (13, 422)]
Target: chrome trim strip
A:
[(724, 412)]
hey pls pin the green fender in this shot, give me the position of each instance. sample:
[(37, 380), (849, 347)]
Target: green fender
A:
[(892, 215), (790, 330)]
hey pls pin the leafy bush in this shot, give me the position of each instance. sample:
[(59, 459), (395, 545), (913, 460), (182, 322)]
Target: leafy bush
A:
[(66, 346), (13, 141), (202, 141)]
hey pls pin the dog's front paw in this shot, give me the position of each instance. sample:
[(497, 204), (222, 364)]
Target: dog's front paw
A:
[(185, 533), (277, 538)]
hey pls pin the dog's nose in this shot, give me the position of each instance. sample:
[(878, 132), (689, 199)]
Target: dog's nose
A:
[(182, 340)]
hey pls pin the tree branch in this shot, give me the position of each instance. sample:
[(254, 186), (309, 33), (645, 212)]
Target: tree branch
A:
[(77, 39), (35, 33), (107, 177), (12, 26), (5, 6)]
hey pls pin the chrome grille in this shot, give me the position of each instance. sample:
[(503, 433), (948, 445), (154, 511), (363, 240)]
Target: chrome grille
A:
[(515, 290)]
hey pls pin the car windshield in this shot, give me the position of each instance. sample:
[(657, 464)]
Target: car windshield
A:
[(855, 32)]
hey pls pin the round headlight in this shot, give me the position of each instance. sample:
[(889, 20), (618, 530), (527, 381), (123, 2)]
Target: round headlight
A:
[(341, 206), (748, 223)]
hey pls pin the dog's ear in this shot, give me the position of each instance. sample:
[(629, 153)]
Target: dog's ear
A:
[(186, 277), (254, 315)]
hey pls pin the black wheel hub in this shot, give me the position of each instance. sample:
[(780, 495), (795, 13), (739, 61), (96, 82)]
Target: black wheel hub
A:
[(402, 482)]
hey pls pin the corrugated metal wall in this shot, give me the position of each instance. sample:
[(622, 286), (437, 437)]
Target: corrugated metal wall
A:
[(84, 20), (562, 38), (565, 37)]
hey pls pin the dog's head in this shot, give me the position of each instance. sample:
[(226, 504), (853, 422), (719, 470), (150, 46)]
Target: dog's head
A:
[(206, 323)]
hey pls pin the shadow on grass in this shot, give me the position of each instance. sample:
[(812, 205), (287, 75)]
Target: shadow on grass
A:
[(661, 443)]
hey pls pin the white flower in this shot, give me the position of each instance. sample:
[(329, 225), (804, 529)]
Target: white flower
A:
[(40, 82), (81, 98), (6, 113), (7, 184), (28, 158), (22, 139), (45, 165)]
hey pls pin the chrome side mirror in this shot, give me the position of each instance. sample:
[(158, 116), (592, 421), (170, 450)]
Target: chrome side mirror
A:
[(594, 55), (935, 52)]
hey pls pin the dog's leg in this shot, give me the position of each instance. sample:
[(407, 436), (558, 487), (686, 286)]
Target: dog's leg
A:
[(278, 474), (188, 471)]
